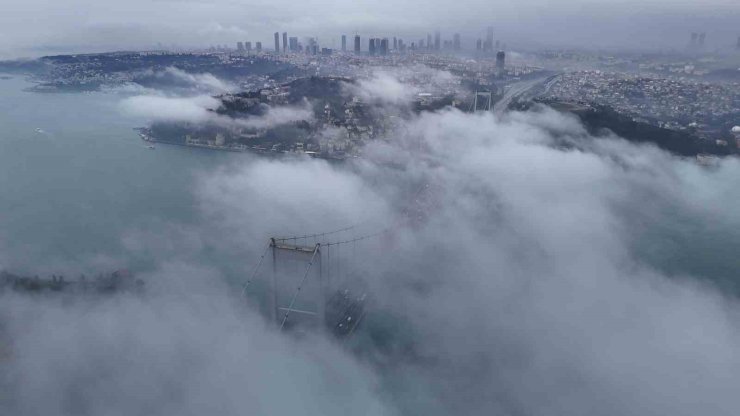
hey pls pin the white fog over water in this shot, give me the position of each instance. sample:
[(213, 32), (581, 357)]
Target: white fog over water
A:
[(553, 273)]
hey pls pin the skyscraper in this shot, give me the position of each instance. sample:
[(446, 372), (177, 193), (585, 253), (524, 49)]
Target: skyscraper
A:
[(488, 46), (357, 44), (500, 61), (479, 45), (429, 41), (240, 46), (702, 38), (384, 46), (436, 41), (248, 46), (694, 38), (395, 43), (258, 46), (371, 46), (344, 43), (456, 42), (293, 44), (277, 42), (285, 42)]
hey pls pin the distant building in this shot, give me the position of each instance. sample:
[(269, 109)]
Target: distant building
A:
[(248, 46), (240, 46), (357, 44), (344, 43), (293, 44), (258, 46), (285, 42), (500, 61), (694, 39), (488, 46), (277, 42), (371, 46), (327, 51), (702, 38), (395, 43), (429, 41), (384, 46), (436, 41), (456, 42), (313, 47), (479, 45)]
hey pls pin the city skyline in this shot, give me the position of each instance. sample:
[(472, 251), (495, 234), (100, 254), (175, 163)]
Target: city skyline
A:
[(527, 24)]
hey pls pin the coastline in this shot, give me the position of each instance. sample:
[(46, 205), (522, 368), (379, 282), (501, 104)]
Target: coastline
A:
[(145, 135)]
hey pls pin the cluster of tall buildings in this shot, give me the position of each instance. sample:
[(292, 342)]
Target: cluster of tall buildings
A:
[(378, 46), (247, 46), (487, 45)]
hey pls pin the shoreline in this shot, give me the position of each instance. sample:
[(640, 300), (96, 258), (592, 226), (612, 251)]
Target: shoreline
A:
[(143, 134)]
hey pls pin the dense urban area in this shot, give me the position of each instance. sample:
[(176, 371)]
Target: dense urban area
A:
[(685, 101)]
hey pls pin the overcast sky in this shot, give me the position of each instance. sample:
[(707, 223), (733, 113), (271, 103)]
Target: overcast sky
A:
[(33, 27)]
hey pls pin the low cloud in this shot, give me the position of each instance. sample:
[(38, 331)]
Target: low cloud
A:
[(201, 109), (159, 108), (172, 78), (528, 268), (274, 116), (390, 86)]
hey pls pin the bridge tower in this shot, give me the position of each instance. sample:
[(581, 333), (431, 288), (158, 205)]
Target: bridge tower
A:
[(483, 101), (297, 290)]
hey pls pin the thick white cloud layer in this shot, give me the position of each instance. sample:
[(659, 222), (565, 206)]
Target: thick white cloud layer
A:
[(199, 109), (524, 285)]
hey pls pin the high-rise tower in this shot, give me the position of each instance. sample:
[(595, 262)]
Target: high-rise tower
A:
[(285, 42), (344, 43), (357, 44), (500, 61), (488, 45), (277, 42), (384, 46)]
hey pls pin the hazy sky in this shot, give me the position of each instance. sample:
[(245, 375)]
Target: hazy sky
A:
[(33, 27)]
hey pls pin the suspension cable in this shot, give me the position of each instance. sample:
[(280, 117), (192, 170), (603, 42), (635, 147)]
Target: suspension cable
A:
[(254, 272)]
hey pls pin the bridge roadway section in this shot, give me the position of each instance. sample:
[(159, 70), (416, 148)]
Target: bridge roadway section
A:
[(523, 90)]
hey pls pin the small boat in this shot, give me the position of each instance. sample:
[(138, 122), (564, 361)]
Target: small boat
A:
[(150, 147), (39, 131)]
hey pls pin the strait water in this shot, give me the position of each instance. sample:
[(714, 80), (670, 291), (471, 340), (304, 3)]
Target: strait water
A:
[(69, 194)]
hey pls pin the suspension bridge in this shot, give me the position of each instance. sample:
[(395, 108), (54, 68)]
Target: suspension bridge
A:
[(317, 281)]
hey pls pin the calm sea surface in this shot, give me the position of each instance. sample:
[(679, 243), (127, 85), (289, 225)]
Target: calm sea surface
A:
[(70, 193)]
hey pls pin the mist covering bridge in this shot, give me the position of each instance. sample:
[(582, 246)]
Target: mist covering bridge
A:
[(320, 280), (314, 281)]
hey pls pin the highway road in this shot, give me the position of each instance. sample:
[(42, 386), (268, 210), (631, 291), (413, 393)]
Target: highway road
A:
[(523, 90)]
